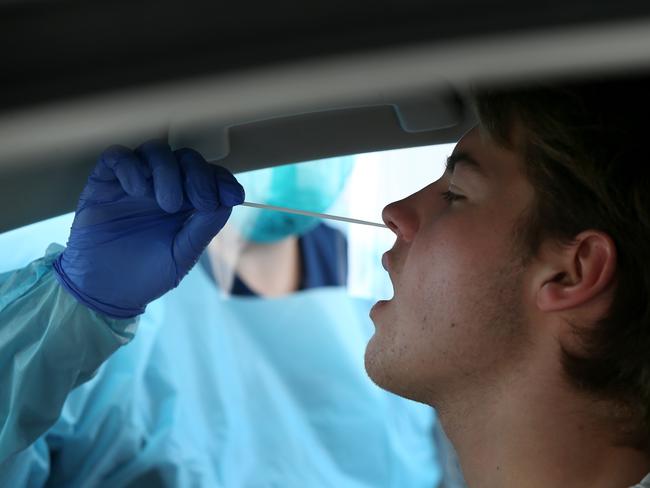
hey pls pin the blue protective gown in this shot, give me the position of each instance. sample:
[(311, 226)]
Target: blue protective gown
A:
[(210, 392)]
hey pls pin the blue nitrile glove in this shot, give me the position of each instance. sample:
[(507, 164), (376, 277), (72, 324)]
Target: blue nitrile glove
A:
[(142, 221)]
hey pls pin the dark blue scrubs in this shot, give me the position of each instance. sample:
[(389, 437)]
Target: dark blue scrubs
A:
[(324, 260)]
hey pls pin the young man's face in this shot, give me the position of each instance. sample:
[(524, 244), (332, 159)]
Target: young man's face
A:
[(457, 318)]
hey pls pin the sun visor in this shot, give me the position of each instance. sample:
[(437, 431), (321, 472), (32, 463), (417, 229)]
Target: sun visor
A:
[(375, 124)]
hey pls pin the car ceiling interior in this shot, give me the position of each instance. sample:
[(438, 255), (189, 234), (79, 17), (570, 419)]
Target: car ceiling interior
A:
[(256, 85)]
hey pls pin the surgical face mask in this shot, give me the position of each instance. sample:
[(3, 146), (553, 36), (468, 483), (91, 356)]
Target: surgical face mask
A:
[(312, 186)]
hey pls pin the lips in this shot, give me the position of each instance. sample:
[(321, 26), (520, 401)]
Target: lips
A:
[(377, 306), (385, 261), (388, 263)]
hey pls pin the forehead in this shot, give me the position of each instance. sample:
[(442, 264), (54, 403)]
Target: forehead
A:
[(499, 164)]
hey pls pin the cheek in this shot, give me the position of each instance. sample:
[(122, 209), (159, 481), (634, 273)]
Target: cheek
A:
[(450, 255), (467, 261), (447, 278)]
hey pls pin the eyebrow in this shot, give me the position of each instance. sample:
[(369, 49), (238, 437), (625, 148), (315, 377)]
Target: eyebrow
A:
[(464, 158)]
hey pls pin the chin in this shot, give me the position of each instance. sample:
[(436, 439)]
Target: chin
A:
[(373, 362), (379, 367), (387, 374)]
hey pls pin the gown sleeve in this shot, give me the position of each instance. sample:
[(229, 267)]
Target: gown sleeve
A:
[(49, 344)]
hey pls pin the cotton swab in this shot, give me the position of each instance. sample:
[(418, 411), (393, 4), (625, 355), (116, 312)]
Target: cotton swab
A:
[(312, 214)]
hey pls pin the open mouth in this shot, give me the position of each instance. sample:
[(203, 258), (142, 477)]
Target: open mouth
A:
[(385, 262), (386, 259)]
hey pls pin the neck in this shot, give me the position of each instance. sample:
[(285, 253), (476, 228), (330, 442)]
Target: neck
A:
[(535, 431), (269, 270)]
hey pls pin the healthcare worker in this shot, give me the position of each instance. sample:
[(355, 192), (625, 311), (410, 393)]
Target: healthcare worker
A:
[(208, 392), (274, 253)]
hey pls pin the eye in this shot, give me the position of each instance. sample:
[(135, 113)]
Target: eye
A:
[(451, 196)]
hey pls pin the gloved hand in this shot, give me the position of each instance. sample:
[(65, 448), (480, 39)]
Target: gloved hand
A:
[(142, 221)]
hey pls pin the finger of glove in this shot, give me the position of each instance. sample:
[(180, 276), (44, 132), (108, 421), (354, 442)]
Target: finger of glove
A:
[(231, 192), (208, 186), (195, 235), (121, 164), (167, 180), (200, 184)]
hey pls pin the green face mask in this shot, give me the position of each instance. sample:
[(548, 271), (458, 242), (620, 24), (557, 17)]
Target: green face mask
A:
[(312, 186)]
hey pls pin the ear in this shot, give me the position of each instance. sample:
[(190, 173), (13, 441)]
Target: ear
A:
[(577, 273)]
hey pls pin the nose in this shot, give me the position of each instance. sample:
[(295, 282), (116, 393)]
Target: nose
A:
[(401, 217)]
